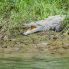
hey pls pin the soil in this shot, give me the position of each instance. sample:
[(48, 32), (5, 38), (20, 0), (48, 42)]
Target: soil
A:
[(48, 43)]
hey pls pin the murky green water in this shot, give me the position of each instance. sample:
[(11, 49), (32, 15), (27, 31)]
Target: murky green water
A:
[(14, 63)]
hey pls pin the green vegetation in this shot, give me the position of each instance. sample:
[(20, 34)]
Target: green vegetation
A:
[(14, 13), (44, 50)]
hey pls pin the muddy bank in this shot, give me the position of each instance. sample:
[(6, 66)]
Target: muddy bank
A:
[(43, 43)]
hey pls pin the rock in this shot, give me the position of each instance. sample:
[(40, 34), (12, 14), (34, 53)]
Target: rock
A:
[(4, 46), (54, 37), (65, 46), (1, 36), (42, 44), (5, 37)]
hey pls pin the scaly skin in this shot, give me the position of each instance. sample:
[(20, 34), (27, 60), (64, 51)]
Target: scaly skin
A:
[(52, 22)]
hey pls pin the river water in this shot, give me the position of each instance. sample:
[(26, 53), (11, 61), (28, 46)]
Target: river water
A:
[(34, 63)]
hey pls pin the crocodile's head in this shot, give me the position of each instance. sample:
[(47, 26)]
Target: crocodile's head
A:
[(30, 30)]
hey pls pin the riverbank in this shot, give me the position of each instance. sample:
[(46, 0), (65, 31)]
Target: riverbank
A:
[(49, 43)]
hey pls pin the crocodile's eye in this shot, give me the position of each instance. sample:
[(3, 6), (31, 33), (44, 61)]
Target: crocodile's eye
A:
[(32, 27)]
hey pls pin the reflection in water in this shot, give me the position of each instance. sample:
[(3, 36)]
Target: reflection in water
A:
[(16, 63)]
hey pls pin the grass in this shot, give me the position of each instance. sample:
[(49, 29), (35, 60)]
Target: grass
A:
[(17, 12), (30, 52)]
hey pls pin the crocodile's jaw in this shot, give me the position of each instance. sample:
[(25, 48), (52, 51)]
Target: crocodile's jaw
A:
[(29, 31)]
